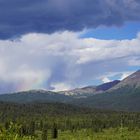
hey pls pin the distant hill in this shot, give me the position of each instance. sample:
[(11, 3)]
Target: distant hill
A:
[(117, 95), (123, 96), (121, 99), (49, 96), (34, 96)]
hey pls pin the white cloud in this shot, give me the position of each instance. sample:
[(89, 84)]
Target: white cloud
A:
[(126, 74), (110, 76), (108, 49), (2, 68), (61, 86), (46, 60), (106, 80)]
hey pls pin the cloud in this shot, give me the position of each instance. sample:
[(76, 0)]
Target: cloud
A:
[(62, 60), (125, 74), (106, 80), (135, 61), (61, 86), (118, 75), (48, 16)]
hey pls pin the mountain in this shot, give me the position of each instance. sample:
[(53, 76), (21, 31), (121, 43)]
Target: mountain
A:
[(34, 96), (132, 81), (122, 99), (107, 86), (123, 96), (90, 90), (49, 96), (117, 95)]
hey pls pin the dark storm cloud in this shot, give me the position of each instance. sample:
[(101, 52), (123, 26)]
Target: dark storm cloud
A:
[(23, 16)]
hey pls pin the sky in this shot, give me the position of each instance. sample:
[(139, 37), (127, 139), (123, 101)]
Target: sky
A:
[(63, 44)]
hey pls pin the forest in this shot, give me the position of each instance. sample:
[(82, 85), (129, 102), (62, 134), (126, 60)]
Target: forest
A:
[(48, 121)]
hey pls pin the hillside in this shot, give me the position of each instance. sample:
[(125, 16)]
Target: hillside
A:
[(123, 96), (34, 96)]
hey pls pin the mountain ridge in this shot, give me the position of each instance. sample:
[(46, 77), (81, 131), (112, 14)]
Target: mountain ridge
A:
[(115, 95), (90, 90), (132, 80)]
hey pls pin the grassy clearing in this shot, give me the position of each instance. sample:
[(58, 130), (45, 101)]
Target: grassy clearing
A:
[(84, 134)]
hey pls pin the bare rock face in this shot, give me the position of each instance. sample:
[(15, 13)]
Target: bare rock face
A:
[(132, 81)]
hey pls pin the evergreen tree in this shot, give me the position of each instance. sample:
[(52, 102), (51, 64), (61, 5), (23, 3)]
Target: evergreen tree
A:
[(54, 132), (44, 133)]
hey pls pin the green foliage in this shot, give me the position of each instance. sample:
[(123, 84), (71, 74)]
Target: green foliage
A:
[(44, 133), (44, 121), (126, 98)]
